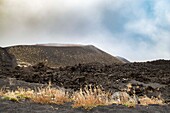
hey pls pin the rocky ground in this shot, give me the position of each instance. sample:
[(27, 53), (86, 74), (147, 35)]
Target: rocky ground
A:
[(147, 78)]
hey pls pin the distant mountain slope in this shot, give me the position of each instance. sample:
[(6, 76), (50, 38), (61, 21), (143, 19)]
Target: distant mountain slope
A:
[(57, 44), (55, 56), (123, 59)]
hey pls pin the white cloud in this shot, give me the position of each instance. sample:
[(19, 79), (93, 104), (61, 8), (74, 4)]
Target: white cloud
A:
[(136, 30), (156, 29)]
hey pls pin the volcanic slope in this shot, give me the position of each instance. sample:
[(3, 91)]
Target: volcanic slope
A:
[(57, 56), (6, 59), (123, 59)]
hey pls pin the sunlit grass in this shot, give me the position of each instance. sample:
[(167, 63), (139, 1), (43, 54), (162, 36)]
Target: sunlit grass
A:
[(17, 95), (146, 100), (91, 97), (45, 95), (50, 96), (88, 97)]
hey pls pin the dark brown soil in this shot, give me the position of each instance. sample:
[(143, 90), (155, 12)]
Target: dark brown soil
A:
[(28, 107)]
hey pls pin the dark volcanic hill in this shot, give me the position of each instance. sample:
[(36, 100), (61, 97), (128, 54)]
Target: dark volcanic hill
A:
[(6, 59), (56, 56)]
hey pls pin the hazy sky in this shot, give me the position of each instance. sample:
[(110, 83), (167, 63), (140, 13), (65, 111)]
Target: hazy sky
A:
[(138, 30)]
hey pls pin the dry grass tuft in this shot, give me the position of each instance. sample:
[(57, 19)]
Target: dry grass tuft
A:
[(124, 99), (17, 95), (1, 92), (146, 101), (88, 97), (50, 96), (45, 95), (91, 97)]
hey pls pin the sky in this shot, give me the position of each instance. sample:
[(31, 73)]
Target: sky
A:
[(138, 30)]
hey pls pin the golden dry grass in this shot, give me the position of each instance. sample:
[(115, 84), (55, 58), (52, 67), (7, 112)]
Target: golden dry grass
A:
[(91, 97), (17, 95), (1, 92), (88, 98), (45, 95), (146, 100), (124, 99), (50, 96)]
